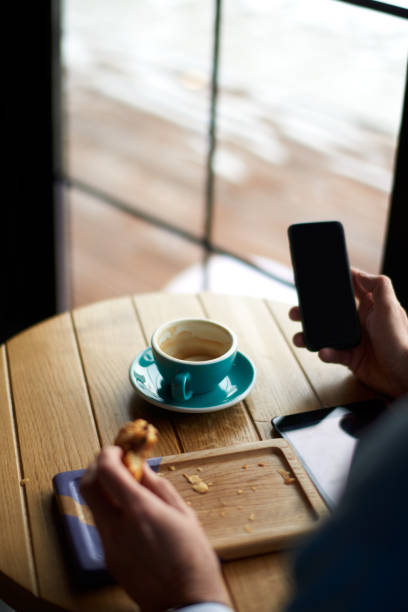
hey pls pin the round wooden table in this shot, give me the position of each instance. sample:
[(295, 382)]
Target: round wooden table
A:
[(65, 391)]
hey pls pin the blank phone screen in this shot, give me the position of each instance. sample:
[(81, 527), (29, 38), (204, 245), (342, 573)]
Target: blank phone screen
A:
[(323, 283), (325, 441)]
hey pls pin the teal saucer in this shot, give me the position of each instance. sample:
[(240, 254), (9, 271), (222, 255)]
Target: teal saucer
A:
[(148, 383)]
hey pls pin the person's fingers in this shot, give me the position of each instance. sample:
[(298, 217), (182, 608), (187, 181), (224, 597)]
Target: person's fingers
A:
[(380, 286), (294, 313), (363, 283), (377, 284), (329, 355), (129, 494), (299, 340), (359, 291), (93, 494), (163, 489), (88, 477), (117, 481)]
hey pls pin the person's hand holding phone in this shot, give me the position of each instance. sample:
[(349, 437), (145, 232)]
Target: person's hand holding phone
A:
[(381, 359)]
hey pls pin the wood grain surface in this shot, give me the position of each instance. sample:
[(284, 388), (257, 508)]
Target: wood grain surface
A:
[(257, 497), (65, 391), (16, 559)]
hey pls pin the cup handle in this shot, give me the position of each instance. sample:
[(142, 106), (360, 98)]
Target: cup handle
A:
[(178, 387)]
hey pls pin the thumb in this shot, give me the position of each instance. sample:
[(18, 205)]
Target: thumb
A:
[(363, 282), (379, 285), (329, 355)]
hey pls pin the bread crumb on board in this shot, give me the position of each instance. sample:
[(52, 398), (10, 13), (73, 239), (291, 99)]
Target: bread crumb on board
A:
[(200, 487), (197, 483), (193, 479), (287, 477)]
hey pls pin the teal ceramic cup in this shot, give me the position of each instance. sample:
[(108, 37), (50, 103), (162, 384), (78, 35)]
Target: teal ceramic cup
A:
[(193, 355)]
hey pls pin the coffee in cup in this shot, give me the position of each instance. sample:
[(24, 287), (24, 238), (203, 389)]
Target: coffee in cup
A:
[(193, 355)]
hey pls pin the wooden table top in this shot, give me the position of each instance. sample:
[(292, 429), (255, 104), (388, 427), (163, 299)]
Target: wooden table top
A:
[(65, 391)]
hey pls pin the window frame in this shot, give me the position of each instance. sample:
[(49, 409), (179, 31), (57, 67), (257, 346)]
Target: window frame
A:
[(34, 221)]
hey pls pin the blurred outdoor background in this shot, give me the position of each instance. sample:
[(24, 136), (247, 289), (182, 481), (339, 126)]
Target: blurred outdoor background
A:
[(309, 108)]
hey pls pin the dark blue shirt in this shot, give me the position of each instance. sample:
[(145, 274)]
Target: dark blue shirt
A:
[(358, 560)]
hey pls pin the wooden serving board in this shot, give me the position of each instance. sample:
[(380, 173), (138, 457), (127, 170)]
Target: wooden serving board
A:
[(248, 509)]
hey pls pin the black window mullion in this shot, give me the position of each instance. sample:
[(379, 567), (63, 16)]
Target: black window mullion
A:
[(395, 259), (382, 7)]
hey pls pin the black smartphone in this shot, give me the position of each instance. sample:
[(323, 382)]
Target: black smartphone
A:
[(324, 441), (324, 286)]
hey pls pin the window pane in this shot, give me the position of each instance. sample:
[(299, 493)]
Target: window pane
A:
[(136, 96), (309, 112), (114, 253)]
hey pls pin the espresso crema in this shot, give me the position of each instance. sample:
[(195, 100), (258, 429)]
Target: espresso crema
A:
[(189, 346)]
